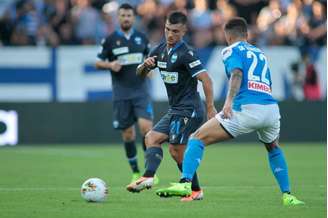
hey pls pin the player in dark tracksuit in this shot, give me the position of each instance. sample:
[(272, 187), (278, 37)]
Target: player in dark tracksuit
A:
[(180, 70), (121, 53)]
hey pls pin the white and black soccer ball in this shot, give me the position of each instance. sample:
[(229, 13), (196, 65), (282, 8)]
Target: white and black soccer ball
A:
[(94, 190)]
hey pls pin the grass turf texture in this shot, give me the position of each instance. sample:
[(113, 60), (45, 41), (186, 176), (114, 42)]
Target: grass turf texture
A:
[(44, 181)]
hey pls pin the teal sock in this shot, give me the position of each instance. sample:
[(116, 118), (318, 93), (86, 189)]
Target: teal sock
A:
[(192, 157), (131, 154), (279, 168)]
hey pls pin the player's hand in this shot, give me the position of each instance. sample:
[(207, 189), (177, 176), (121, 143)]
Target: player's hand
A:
[(211, 112), (150, 62), (227, 110), (116, 66)]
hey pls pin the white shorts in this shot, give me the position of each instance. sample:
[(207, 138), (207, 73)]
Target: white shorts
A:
[(264, 119)]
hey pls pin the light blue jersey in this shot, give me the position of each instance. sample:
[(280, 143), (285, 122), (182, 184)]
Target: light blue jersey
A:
[(256, 83)]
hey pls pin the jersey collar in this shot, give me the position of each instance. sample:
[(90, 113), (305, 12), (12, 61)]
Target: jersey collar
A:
[(236, 43), (128, 36), (177, 45)]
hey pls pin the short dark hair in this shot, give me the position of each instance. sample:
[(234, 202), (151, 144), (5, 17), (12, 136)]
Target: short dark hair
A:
[(176, 17), (236, 26), (126, 6)]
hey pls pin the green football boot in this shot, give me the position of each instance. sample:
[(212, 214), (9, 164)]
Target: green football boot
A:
[(176, 189), (290, 200), (156, 180)]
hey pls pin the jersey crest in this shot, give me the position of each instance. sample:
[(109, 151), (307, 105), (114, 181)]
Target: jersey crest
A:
[(174, 58), (137, 40)]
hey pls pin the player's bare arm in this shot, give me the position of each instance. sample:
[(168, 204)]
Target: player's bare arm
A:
[(208, 91), (234, 86), (148, 64), (106, 65)]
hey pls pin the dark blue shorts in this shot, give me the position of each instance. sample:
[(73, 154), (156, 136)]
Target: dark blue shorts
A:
[(178, 127), (127, 112)]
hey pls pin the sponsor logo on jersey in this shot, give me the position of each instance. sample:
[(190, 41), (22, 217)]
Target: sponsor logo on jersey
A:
[(174, 58), (227, 52), (161, 64), (170, 77), (118, 42), (133, 58), (137, 40), (120, 50), (191, 53), (195, 63), (260, 87)]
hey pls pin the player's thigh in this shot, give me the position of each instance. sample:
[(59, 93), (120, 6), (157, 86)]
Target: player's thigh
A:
[(182, 127), (145, 125), (211, 132), (155, 139), (241, 122), (270, 129), (269, 134), (159, 132), (123, 117)]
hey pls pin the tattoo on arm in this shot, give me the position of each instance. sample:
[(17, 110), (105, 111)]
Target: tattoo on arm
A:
[(142, 70), (234, 83)]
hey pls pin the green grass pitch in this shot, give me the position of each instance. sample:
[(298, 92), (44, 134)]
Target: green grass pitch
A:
[(44, 181)]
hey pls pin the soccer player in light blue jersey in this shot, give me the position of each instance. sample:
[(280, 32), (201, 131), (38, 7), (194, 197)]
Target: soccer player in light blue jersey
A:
[(249, 106)]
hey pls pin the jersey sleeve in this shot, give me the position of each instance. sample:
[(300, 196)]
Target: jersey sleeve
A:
[(231, 60), (105, 53), (193, 64)]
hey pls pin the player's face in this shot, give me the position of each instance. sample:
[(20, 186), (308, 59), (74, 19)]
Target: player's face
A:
[(126, 19), (174, 33)]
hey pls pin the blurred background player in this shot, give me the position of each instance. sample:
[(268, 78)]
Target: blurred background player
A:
[(180, 69), (121, 53), (248, 107)]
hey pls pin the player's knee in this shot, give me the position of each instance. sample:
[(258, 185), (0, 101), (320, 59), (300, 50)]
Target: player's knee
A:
[(150, 139), (128, 134), (145, 129), (197, 135), (270, 146)]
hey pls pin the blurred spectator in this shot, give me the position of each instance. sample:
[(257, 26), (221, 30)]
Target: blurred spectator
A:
[(46, 36), (70, 22), (200, 16), (87, 22), (285, 27), (311, 83), (297, 80), (267, 16), (201, 23), (6, 28), (248, 9), (304, 79), (313, 31)]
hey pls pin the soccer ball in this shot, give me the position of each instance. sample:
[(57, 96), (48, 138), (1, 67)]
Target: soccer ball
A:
[(94, 190)]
